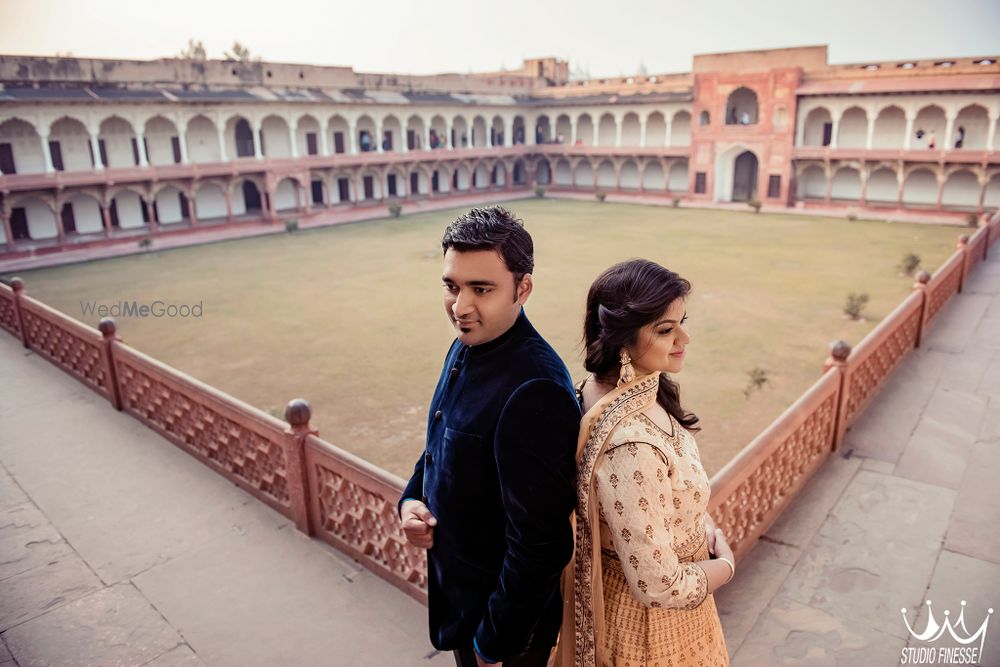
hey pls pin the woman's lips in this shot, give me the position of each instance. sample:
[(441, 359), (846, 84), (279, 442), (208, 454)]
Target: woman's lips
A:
[(677, 354)]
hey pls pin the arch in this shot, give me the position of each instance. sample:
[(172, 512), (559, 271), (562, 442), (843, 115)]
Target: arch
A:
[(346, 194), (961, 190), (74, 143), (392, 134), (365, 134), (883, 186), (972, 128), (656, 129), (852, 131), (415, 133), (275, 141), (399, 190), (812, 183), (628, 177), (339, 134), (543, 172), (497, 131), (117, 142), (519, 131), (606, 175), (890, 128), (584, 130), (653, 177), (704, 118), (817, 127), (202, 137), (481, 176), (564, 174), (307, 134), (564, 129), (680, 129), (171, 206), (160, 134), (287, 196), (846, 184), (420, 182), (438, 133), (210, 201), (127, 210), (920, 188), (991, 197), (479, 132), (247, 198), (583, 175), (460, 132), (240, 139), (460, 178), (741, 107), (677, 180), (931, 123), (543, 130), (631, 131), (25, 144), (607, 129), (83, 213), (745, 171), (499, 175), (519, 173), (39, 221), (441, 179), (375, 191)]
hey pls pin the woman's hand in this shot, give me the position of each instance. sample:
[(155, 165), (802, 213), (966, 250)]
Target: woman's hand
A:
[(710, 533)]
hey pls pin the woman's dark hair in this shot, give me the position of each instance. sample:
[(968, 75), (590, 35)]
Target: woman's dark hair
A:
[(623, 299), (493, 228)]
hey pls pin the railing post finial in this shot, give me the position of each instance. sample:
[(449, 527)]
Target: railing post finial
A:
[(297, 414)]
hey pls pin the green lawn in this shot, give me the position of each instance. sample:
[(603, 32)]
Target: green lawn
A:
[(350, 317)]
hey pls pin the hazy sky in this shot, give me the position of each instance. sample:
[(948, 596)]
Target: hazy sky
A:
[(608, 38)]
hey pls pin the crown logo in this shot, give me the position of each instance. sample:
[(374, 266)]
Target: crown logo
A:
[(934, 630)]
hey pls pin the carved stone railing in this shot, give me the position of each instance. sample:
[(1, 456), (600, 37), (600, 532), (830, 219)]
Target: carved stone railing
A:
[(351, 504)]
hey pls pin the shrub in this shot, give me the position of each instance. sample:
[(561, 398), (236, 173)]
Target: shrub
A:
[(601, 196), (395, 210), (676, 201), (758, 378), (855, 304), (539, 191), (755, 205), (909, 264), (972, 220), (291, 226), (146, 242), (852, 217)]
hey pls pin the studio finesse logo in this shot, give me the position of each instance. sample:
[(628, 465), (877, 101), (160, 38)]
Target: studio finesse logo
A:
[(945, 655)]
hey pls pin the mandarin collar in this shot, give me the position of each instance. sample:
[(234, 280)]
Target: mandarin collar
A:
[(519, 329)]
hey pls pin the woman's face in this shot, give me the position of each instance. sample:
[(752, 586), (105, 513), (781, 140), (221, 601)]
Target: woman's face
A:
[(660, 346)]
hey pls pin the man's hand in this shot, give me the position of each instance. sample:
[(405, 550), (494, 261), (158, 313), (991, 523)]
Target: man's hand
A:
[(710, 533), (418, 524)]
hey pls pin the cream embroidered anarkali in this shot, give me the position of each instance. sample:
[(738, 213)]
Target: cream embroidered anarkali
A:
[(638, 598)]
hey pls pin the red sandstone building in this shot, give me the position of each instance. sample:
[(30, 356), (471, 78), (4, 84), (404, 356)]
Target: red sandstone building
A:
[(103, 151)]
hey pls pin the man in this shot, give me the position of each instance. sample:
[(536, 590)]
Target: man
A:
[(491, 496)]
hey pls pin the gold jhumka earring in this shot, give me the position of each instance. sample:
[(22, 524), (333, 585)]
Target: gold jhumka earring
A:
[(627, 373)]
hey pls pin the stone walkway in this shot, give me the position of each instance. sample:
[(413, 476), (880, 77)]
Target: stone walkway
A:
[(117, 548), (908, 510)]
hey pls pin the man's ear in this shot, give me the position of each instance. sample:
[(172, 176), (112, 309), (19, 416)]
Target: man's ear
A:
[(524, 289)]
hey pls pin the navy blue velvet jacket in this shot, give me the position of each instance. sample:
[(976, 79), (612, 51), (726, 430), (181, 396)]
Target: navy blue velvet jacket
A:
[(498, 473)]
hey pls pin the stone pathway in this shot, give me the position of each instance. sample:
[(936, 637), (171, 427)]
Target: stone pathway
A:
[(117, 548), (908, 510)]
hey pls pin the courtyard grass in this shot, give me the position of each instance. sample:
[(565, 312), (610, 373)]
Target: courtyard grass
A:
[(350, 317)]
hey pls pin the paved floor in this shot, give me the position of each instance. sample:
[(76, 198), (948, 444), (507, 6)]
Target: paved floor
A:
[(117, 548), (907, 511)]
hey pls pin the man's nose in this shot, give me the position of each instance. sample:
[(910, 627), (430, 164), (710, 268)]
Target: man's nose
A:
[(462, 305)]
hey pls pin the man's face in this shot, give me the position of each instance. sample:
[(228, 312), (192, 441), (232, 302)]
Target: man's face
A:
[(479, 294)]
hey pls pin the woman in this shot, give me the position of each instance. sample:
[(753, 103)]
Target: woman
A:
[(647, 554)]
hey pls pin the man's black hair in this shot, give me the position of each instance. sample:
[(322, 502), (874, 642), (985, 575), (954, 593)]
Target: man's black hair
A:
[(493, 228)]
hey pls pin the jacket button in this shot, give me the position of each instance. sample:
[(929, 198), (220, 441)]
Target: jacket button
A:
[(428, 458), (454, 373), (437, 416)]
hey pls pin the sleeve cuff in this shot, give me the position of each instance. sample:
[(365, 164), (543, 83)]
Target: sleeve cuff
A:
[(486, 658)]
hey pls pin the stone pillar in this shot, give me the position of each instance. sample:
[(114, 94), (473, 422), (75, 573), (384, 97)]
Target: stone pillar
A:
[(297, 414), (940, 193), (221, 129), (353, 131), (908, 137), (991, 133), (572, 131), (106, 214), (834, 131), (182, 142), (8, 234), (95, 146), (379, 138), (839, 352), (870, 139), (294, 144), (508, 132), (229, 204), (257, 136), (949, 130), (642, 134), (140, 141), (618, 132), (60, 231), (47, 152), (151, 214), (192, 208), (323, 148), (668, 123)]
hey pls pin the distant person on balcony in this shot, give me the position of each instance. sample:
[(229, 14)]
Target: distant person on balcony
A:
[(960, 137), (492, 494), (931, 141), (648, 556), (366, 142)]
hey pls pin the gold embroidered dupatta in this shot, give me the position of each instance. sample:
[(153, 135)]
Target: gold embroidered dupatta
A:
[(581, 638)]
